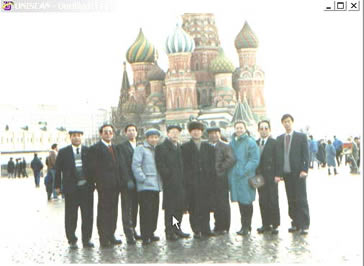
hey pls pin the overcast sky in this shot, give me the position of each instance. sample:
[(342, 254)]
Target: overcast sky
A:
[(312, 59)]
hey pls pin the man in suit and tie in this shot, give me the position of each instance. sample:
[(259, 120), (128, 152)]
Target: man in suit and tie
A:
[(129, 199), (268, 193), (104, 166), (72, 174), (292, 167), (224, 160)]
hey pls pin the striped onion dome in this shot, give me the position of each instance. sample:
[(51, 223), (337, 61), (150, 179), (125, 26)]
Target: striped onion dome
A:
[(156, 73), (141, 50), (179, 41), (246, 38), (222, 64)]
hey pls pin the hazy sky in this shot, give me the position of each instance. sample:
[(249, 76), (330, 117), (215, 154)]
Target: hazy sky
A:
[(312, 59)]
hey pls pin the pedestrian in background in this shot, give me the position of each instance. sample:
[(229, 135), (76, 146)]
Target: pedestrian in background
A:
[(246, 153), (149, 185), (330, 157), (11, 168), (51, 159), (37, 167), (338, 144)]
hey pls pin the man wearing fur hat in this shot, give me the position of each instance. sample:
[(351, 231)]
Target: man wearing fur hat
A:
[(199, 172)]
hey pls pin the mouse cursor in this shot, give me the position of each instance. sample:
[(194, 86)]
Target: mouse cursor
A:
[(175, 222)]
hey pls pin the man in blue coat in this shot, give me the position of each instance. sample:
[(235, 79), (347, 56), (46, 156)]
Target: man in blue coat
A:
[(292, 166)]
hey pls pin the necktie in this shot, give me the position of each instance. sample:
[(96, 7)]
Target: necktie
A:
[(262, 143), (78, 150), (112, 153), (288, 138)]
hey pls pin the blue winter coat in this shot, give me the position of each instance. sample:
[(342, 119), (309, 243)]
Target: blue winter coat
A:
[(247, 156), (330, 155), (145, 169)]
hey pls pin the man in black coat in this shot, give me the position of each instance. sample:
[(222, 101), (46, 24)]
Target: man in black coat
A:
[(292, 167), (104, 165), (129, 199), (11, 168), (199, 171), (268, 193), (36, 165), (224, 160), (168, 157), (72, 175)]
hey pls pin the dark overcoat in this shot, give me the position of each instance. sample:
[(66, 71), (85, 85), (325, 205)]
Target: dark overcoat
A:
[(169, 162)]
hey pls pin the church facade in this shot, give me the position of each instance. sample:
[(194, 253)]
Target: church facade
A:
[(201, 83)]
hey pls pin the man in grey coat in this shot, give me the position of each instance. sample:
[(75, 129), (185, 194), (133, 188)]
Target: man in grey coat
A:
[(149, 184), (224, 160)]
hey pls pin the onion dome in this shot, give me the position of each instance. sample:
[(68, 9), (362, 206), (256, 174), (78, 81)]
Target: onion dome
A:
[(156, 73), (141, 50), (246, 38), (222, 64), (179, 41)]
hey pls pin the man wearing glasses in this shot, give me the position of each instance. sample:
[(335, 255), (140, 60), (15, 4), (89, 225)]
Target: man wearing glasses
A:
[(104, 166), (268, 193)]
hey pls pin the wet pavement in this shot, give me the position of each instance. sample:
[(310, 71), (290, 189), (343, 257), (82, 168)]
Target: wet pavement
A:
[(32, 230)]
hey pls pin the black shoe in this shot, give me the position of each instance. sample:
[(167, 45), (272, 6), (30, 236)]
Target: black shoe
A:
[(146, 241), (130, 240), (137, 237), (88, 244), (154, 238), (263, 229), (115, 241), (293, 229), (303, 232), (197, 235), (171, 236), (73, 245), (180, 234), (274, 231), (209, 234), (219, 232)]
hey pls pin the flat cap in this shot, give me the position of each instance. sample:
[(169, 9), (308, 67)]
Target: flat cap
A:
[(152, 131), (174, 126), (75, 132), (195, 125), (212, 129)]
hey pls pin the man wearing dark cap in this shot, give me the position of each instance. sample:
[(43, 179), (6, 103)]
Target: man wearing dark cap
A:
[(71, 163), (104, 165), (199, 172), (224, 160), (129, 199), (170, 167)]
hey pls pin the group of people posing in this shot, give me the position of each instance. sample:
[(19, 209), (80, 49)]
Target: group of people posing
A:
[(195, 178)]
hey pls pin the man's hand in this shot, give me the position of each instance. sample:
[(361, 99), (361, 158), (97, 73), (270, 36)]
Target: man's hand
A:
[(58, 191), (303, 174), (277, 179)]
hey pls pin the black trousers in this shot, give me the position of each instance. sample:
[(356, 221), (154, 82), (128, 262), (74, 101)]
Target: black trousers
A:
[(200, 221), (246, 214), (222, 213), (168, 219), (107, 213), (82, 198), (339, 157), (129, 211), (298, 209), (148, 213), (269, 203)]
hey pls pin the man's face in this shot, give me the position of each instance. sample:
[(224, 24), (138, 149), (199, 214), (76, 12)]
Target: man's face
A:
[(76, 139), (131, 133), (196, 134), (153, 140), (287, 124), (173, 135), (239, 129), (107, 134), (264, 130), (214, 136)]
